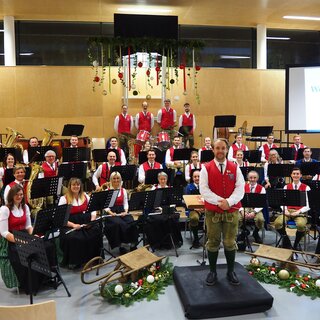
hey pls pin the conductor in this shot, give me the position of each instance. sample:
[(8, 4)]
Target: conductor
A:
[(222, 187)]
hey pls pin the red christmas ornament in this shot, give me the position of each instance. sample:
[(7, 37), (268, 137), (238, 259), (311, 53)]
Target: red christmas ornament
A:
[(148, 73), (140, 282), (251, 273), (306, 278), (198, 68), (182, 66), (96, 79), (273, 269), (303, 285), (140, 64), (292, 285), (120, 75), (157, 69)]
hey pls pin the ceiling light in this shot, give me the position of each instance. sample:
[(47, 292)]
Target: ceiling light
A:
[(302, 18), (234, 57), (144, 10), (278, 38)]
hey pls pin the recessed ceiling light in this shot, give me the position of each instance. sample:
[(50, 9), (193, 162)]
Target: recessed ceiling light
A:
[(302, 18), (278, 38), (234, 57), (144, 10)]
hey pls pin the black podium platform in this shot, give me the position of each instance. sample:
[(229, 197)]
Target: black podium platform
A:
[(223, 299)]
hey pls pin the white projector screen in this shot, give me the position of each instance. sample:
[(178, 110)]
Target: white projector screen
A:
[(303, 99)]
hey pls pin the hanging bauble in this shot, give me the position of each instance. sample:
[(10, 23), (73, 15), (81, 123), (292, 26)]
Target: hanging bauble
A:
[(157, 69), (148, 73), (148, 97), (182, 66), (151, 78), (135, 92), (96, 79), (185, 93), (198, 68), (118, 288), (255, 261), (120, 75), (172, 81), (283, 274), (140, 64), (176, 98), (95, 63), (114, 81), (133, 86), (104, 92)]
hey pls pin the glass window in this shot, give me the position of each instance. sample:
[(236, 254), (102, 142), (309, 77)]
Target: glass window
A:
[(225, 47), (1, 44), (56, 43), (292, 47)]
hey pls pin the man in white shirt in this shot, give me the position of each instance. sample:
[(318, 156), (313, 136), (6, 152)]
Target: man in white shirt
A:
[(114, 145), (207, 146), (148, 165), (188, 119), (238, 145), (33, 142)]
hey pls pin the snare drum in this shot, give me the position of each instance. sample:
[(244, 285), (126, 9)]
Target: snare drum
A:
[(142, 136), (163, 139)]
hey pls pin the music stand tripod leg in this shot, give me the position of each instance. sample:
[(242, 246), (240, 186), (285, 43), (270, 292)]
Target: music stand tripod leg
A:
[(59, 280)]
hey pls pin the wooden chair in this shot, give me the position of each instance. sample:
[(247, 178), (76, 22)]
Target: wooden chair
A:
[(38, 311)]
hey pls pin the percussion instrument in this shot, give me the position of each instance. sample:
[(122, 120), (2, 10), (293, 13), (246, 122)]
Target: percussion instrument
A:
[(142, 137), (163, 139)]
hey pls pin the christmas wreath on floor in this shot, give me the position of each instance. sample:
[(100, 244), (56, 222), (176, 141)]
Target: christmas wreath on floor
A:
[(292, 281), (151, 282)]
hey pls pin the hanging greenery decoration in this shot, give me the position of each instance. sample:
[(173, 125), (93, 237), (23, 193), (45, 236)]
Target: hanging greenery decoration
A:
[(151, 282)]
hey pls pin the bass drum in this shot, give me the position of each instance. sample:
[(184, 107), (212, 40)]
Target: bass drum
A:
[(142, 137)]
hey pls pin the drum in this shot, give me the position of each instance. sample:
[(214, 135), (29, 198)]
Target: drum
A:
[(163, 139), (142, 137)]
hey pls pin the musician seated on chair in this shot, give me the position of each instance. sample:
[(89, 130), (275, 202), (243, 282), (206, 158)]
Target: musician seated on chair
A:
[(194, 215), (50, 166), (297, 214), (194, 164), (33, 142), (307, 153), (237, 145), (74, 141), (265, 148), (102, 174), (239, 159), (148, 165), (19, 173), (272, 182), (85, 242), (253, 213), (114, 145), (120, 228), (9, 162)]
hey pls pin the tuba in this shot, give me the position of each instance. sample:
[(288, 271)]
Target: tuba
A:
[(11, 140), (48, 137)]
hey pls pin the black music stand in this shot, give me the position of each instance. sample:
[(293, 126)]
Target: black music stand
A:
[(32, 254), (152, 176), (14, 151), (72, 130), (309, 168), (99, 155), (36, 154), (160, 155), (280, 170), (251, 200), (127, 172), (283, 197), (70, 170), (182, 154), (8, 177), (285, 153), (206, 155), (76, 154), (246, 170), (225, 121), (253, 156), (142, 156), (261, 131), (46, 187)]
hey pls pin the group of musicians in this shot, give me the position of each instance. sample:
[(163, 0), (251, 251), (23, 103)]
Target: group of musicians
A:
[(219, 181)]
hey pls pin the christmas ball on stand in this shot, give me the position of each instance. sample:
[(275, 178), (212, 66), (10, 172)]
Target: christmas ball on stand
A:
[(150, 279), (118, 288), (255, 261), (317, 283), (283, 274)]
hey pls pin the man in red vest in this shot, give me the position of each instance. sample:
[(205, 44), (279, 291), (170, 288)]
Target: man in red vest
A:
[(188, 119), (253, 213), (297, 144), (123, 125), (102, 174), (144, 119), (238, 145), (167, 118), (114, 145), (222, 187), (207, 146), (265, 148), (50, 166), (298, 214), (148, 165)]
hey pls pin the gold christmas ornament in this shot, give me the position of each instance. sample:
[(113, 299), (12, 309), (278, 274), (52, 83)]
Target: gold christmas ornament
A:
[(283, 274)]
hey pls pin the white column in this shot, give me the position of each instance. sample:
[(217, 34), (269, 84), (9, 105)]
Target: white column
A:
[(261, 46), (9, 41)]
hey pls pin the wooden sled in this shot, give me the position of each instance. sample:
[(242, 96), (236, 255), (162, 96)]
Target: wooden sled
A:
[(127, 265), (286, 256)]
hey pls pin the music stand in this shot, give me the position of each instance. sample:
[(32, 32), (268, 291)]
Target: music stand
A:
[(182, 154), (225, 121), (70, 170), (253, 156), (284, 197), (46, 187), (5, 151), (72, 130), (8, 177), (246, 170), (280, 170), (76, 154), (251, 200), (127, 172), (99, 155), (32, 254), (160, 155), (309, 168), (152, 176), (36, 154), (142, 157), (207, 155), (285, 153), (261, 131)]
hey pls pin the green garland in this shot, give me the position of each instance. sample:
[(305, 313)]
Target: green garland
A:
[(131, 292), (300, 284)]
